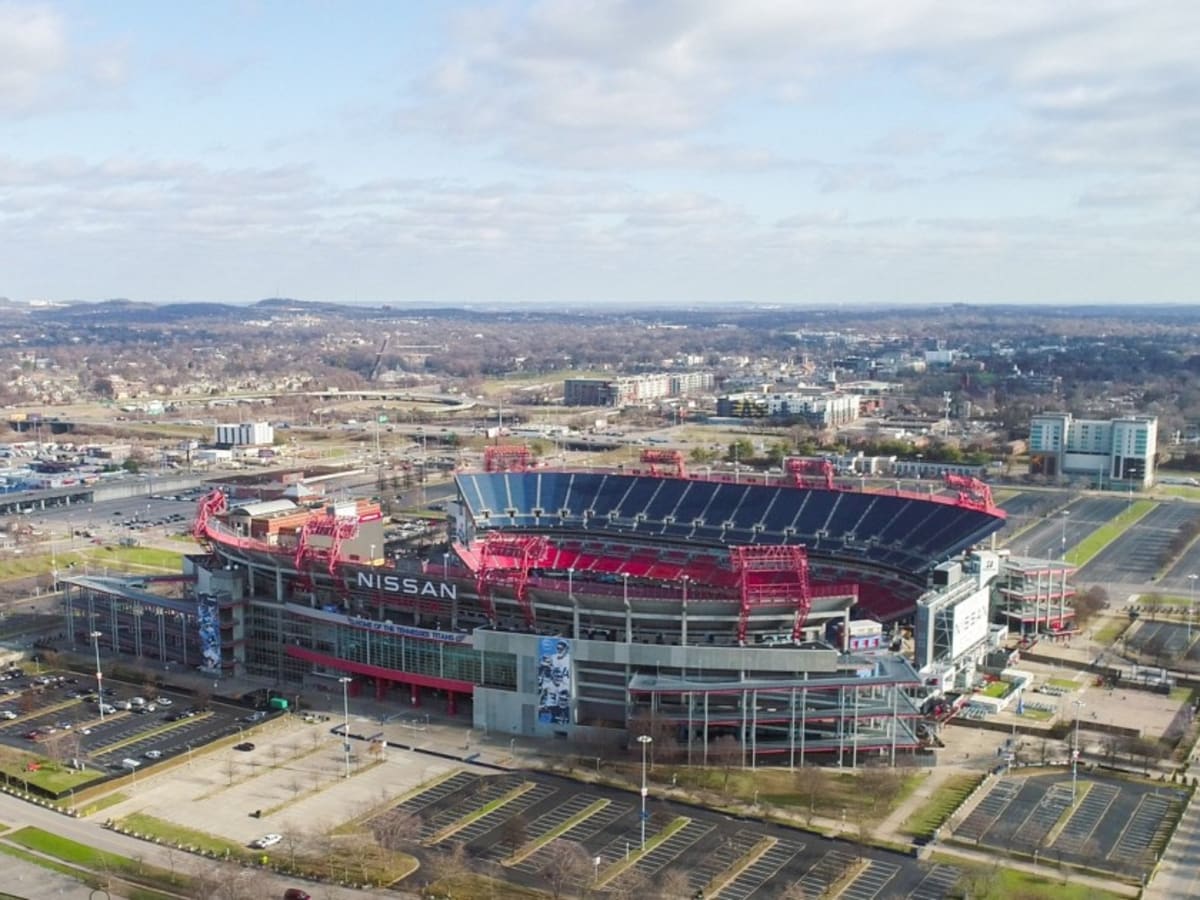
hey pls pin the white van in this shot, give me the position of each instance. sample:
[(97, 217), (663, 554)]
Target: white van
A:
[(130, 764)]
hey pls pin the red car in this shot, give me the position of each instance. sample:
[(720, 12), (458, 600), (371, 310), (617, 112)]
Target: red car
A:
[(296, 894)]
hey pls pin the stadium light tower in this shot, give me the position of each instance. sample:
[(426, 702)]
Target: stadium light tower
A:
[(644, 740), (345, 680), (1075, 750), (95, 636), (1191, 603)]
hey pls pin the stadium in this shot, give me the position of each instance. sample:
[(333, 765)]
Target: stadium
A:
[(716, 613)]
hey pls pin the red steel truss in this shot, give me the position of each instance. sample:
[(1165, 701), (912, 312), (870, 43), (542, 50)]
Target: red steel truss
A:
[(971, 491), (772, 574), (672, 458), (210, 505), (321, 539), (505, 561), (800, 469), (506, 458)]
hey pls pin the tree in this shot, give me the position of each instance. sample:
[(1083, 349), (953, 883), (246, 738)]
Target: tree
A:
[(567, 865), (674, 885), (809, 783), (726, 752), (449, 866)]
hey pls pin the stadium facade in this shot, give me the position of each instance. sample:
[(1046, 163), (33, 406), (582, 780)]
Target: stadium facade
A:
[(581, 605)]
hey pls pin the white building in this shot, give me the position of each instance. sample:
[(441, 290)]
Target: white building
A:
[(1115, 450), (245, 434)]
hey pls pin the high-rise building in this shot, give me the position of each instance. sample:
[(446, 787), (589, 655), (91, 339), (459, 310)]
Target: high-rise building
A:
[(1109, 450)]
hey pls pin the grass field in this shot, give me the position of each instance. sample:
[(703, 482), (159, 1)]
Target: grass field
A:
[(97, 861), (997, 883), (170, 833), (141, 557), (1083, 552), (997, 689), (947, 798), (51, 777), (1112, 629)]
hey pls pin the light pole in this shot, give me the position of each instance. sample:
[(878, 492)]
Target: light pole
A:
[(644, 740), (445, 564), (1075, 751), (345, 680), (1065, 514), (1191, 603), (99, 676)]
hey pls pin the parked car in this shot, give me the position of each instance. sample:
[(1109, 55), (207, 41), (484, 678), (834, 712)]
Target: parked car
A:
[(267, 840), (7, 714), (296, 894), (244, 746), (164, 701), (153, 754)]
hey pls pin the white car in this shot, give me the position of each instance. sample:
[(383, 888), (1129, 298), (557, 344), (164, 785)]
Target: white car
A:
[(164, 701), (153, 754), (7, 714), (267, 840)]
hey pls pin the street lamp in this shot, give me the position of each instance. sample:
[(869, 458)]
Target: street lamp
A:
[(445, 564), (1191, 603), (345, 680), (1065, 514), (644, 740), (1075, 751), (95, 635)]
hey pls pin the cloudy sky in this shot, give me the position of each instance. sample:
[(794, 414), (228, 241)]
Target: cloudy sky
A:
[(665, 151)]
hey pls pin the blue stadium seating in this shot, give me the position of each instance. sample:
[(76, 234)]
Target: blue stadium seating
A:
[(903, 532)]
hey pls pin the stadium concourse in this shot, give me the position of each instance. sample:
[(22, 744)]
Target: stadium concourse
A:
[(573, 603)]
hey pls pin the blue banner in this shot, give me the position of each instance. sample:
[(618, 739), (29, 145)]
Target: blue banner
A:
[(554, 681), (210, 633)]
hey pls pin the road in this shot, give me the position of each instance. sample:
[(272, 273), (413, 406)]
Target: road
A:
[(16, 813)]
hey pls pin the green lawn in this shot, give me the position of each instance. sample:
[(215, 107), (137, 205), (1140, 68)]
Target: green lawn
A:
[(947, 798), (1083, 552), (1112, 629), (51, 777), (997, 689), (169, 833), (141, 557), (1038, 715), (99, 861), (998, 883)]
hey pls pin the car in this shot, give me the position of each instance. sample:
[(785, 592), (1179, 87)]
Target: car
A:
[(164, 701), (255, 717), (153, 754), (244, 746), (296, 894), (7, 714), (267, 840), (106, 709)]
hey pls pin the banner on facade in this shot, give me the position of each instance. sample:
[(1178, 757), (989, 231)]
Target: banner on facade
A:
[(554, 687)]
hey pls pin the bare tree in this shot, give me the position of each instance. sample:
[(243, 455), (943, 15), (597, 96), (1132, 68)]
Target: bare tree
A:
[(394, 830), (230, 769), (726, 752), (449, 867), (673, 885), (567, 865)]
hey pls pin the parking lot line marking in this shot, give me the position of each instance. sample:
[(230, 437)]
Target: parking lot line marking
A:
[(485, 810), (739, 866), (150, 733), (537, 844), (621, 865)]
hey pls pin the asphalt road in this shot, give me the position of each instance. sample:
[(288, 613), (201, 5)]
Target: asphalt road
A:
[(1136, 554), (16, 813)]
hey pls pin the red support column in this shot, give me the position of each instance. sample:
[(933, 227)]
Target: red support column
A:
[(452, 703)]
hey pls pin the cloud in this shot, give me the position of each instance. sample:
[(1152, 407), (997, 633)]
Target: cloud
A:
[(33, 50), (43, 71)]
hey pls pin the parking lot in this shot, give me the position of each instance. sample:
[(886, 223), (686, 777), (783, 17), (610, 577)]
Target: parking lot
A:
[(1161, 640), (56, 714), (1118, 825), (748, 858)]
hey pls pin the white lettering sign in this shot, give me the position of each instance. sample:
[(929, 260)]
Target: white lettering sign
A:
[(413, 587), (427, 634)]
